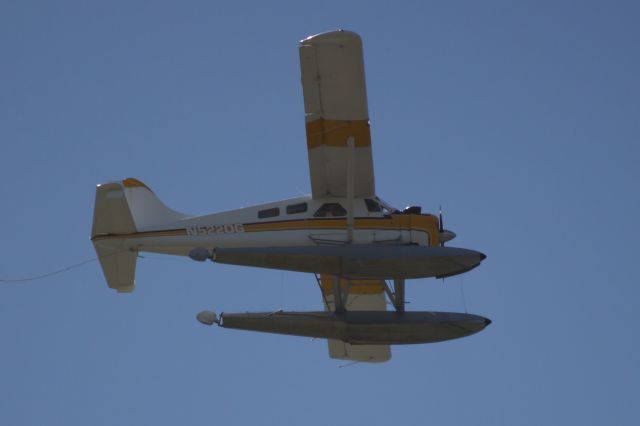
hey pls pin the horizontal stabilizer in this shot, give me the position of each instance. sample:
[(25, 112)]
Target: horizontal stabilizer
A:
[(119, 267)]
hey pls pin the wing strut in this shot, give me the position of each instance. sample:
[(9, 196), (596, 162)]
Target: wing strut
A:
[(324, 298), (397, 295), (340, 296), (351, 179)]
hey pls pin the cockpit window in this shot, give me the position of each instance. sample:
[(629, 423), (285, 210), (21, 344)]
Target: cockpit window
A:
[(387, 209), (330, 210), (297, 208), (272, 212), (372, 205)]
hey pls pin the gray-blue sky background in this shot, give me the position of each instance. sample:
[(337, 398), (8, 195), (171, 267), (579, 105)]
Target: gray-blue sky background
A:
[(521, 118)]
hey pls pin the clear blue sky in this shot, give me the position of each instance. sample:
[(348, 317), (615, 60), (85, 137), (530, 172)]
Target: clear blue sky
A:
[(521, 118)]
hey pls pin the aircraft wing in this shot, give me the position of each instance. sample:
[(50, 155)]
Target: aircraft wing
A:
[(335, 104), (364, 295)]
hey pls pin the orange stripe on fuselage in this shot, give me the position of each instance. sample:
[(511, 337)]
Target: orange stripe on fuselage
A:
[(424, 223)]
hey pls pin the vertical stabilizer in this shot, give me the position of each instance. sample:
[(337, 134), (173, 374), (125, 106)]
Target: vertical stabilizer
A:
[(122, 209), (146, 209)]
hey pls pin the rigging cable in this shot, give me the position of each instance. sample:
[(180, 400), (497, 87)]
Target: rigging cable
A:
[(48, 274), (56, 272), (464, 301)]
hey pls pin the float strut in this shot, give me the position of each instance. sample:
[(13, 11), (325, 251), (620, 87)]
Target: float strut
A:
[(398, 291), (338, 299)]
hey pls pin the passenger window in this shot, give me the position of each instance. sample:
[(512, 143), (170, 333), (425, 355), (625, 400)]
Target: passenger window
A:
[(330, 210), (272, 212), (372, 205), (297, 208)]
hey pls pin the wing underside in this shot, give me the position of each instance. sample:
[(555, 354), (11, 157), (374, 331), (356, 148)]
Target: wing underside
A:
[(364, 295), (336, 114)]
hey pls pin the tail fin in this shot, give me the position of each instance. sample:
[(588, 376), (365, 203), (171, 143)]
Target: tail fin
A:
[(121, 209)]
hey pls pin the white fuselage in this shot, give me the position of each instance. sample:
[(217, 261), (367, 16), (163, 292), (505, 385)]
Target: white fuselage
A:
[(301, 221)]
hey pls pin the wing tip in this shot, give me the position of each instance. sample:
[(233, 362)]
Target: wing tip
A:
[(339, 35)]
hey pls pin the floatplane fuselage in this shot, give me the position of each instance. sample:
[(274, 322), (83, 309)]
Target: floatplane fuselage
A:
[(378, 242)]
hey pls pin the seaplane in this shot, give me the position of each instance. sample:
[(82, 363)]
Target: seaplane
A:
[(359, 248)]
